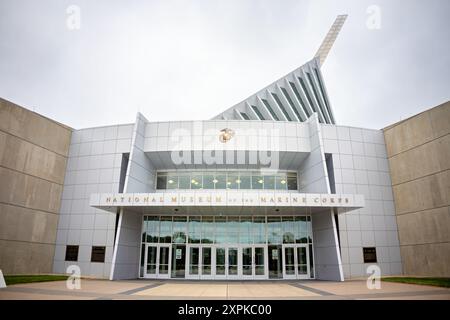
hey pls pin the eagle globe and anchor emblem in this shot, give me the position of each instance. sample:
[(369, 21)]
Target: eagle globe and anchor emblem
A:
[(226, 135)]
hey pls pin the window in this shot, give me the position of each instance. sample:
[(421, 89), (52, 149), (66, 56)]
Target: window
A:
[(370, 255), (281, 106), (184, 182), (269, 182), (297, 94), (281, 183), (220, 181), (98, 254), (195, 228), (172, 182), (274, 232), (228, 229), (245, 116), (307, 94), (266, 103), (311, 82), (292, 181), (196, 182), (233, 180), (258, 113), (323, 95), (71, 253), (292, 104), (161, 182), (245, 182), (210, 180), (257, 182), (179, 230)]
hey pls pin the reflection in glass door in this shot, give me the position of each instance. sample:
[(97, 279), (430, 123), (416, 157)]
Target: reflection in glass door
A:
[(193, 262), (220, 262), (296, 264), (275, 262), (247, 262), (178, 261), (206, 259), (302, 264), (163, 261), (259, 261), (232, 262), (289, 262), (151, 256)]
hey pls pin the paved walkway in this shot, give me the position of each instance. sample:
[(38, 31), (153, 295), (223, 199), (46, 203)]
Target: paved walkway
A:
[(170, 289)]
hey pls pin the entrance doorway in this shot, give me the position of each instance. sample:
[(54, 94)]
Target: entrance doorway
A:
[(178, 261), (296, 262), (226, 262), (157, 257), (234, 248), (275, 262)]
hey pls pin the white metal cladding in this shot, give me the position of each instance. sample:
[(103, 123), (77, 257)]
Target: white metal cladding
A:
[(295, 97)]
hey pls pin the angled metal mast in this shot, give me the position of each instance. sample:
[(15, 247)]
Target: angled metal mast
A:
[(330, 38)]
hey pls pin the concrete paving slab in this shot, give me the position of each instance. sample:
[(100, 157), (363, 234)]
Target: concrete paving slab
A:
[(270, 290), (189, 290), (355, 287)]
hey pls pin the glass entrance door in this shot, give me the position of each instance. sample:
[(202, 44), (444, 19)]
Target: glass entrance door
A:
[(151, 253), (193, 262), (163, 261), (247, 262), (275, 258), (178, 261), (206, 263), (157, 259), (220, 263), (232, 266), (227, 263), (289, 262), (296, 264), (260, 265), (302, 262), (253, 262)]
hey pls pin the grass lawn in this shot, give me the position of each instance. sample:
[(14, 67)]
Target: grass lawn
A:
[(16, 279), (439, 282)]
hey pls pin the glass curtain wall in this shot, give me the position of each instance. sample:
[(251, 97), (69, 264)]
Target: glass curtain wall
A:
[(273, 231), (233, 180)]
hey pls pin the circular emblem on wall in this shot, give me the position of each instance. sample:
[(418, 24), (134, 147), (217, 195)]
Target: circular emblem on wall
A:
[(226, 135)]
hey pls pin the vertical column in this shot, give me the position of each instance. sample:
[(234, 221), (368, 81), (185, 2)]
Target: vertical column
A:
[(139, 178), (314, 179), (327, 258)]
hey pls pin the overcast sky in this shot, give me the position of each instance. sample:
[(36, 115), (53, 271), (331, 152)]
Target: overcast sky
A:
[(190, 60)]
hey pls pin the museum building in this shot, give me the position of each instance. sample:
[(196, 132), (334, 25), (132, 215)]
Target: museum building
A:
[(272, 188)]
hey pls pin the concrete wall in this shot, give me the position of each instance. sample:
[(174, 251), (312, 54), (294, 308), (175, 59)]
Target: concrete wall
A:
[(33, 156), (418, 149)]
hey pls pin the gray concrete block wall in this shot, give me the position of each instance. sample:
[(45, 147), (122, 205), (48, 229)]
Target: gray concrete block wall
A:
[(418, 149), (33, 156)]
